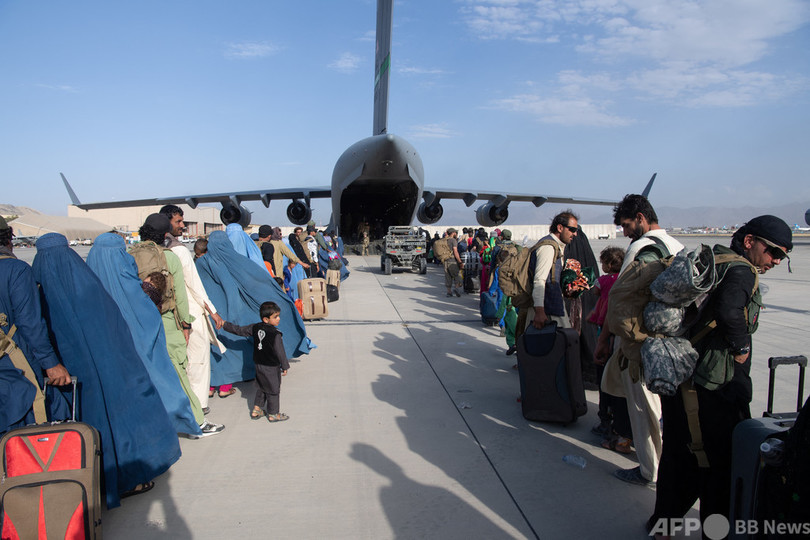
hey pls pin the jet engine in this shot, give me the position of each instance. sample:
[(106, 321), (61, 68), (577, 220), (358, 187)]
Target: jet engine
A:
[(235, 214), (299, 212), (489, 215), (428, 214)]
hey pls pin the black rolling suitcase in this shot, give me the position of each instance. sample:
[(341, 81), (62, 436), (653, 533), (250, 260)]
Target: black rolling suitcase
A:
[(471, 264), (551, 387), (748, 464), (51, 481)]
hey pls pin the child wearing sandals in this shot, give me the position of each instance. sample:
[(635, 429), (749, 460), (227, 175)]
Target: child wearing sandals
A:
[(269, 358)]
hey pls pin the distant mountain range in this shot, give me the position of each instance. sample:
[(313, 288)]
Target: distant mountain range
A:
[(668, 216), (11, 210)]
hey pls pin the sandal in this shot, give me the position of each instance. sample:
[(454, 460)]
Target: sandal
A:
[(280, 417), (211, 392), (255, 414), (619, 444), (137, 490), (624, 446), (230, 392)]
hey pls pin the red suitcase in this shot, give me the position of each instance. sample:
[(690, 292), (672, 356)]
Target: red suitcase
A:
[(51, 481)]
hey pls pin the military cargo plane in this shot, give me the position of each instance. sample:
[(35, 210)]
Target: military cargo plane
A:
[(378, 180)]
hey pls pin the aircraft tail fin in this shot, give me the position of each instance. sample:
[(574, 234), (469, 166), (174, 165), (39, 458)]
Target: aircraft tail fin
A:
[(382, 65), (74, 200), (646, 192)]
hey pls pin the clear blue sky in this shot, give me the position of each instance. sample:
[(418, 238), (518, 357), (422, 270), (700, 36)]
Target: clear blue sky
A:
[(586, 98)]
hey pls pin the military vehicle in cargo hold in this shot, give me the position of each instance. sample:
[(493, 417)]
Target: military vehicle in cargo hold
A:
[(404, 247)]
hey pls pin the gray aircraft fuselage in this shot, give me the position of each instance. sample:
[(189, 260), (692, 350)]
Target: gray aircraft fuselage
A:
[(380, 181)]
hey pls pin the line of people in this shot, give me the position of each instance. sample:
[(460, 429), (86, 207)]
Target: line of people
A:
[(683, 459), (145, 333)]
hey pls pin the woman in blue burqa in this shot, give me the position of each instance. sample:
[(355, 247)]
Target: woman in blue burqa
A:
[(117, 270), (116, 395), (242, 244), (238, 286)]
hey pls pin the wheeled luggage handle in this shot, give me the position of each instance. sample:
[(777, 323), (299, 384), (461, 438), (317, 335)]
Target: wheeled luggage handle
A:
[(775, 361), (787, 361), (74, 382)]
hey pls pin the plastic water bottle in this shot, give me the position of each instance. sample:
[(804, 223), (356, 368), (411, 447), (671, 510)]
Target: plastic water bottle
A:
[(771, 451), (576, 461)]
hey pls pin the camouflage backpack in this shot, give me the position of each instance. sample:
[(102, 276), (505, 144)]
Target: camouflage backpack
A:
[(630, 294), (627, 299), (151, 258)]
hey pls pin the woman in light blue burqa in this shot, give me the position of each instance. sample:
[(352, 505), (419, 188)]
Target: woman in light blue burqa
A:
[(242, 244), (116, 394), (238, 286), (117, 270)]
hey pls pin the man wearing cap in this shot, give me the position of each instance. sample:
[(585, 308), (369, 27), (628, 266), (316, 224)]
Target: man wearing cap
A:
[(452, 265), (174, 312), (761, 244), (21, 321)]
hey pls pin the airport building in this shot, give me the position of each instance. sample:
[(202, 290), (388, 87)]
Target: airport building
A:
[(199, 221)]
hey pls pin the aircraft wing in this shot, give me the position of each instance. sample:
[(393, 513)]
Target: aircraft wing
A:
[(232, 198), (431, 195), (500, 198)]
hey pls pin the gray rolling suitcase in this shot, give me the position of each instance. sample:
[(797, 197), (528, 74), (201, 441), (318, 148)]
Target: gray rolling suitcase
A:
[(551, 388), (747, 461)]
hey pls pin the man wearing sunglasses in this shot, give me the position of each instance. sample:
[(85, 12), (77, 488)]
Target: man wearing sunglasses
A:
[(722, 403), (547, 295)]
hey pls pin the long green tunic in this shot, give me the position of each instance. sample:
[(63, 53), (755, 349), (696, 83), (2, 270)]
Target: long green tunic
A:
[(175, 340)]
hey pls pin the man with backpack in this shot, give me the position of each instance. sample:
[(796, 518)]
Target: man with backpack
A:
[(696, 459), (446, 250), (649, 242), (152, 257), (548, 304)]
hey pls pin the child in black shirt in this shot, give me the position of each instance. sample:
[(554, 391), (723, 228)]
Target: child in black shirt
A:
[(270, 359)]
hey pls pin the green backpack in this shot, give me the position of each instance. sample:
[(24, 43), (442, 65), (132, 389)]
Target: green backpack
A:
[(151, 258), (441, 249), (513, 271)]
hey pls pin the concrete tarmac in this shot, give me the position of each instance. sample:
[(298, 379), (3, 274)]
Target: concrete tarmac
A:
[(404, 423)]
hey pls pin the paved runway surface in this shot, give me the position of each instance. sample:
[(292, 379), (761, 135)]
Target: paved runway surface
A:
[(404, 423)]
